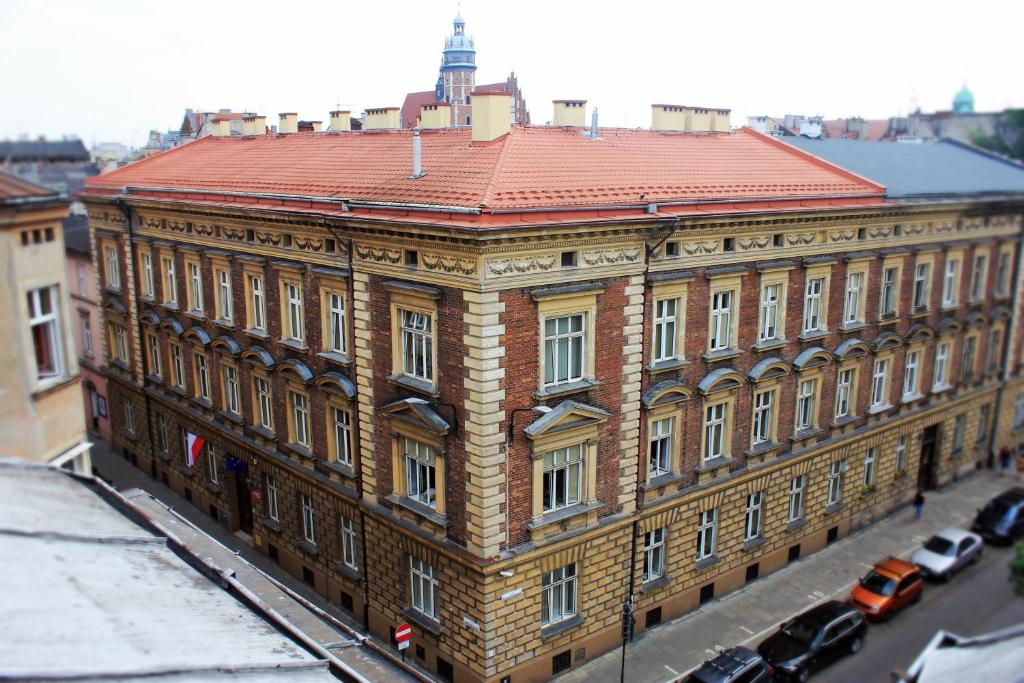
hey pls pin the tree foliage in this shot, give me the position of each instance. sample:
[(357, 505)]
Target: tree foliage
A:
[(1008, 138), (1017, 569)]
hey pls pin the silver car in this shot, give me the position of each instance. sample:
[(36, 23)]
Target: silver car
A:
[(948, 551)]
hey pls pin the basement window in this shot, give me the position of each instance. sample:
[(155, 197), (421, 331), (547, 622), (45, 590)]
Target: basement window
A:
[(412, 258), (778, 240), (729, 244), (568, 259), (671, 248)]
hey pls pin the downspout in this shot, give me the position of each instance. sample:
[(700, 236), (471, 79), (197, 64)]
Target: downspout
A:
[(1008, 346)]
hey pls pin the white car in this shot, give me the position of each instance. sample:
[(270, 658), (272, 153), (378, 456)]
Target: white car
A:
[(948, 551)]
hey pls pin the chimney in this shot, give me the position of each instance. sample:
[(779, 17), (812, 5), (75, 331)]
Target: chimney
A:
[(417, 155), (720, 120), (437, 115), (668, 117), (383, 117), (289, 123), (317, 126), (593, 124), (570, 112), (492, 114), (341, 120), (254, 125), (221, 126)]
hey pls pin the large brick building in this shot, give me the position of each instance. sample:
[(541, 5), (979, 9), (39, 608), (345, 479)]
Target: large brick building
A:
[(551, 371)]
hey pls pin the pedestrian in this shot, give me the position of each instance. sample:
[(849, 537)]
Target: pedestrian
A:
[(1004, 460), (918, 505)]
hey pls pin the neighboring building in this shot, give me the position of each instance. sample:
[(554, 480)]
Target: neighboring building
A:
[(949, 657), (41, 417), (61, 165), (455, 82), (468, 393)]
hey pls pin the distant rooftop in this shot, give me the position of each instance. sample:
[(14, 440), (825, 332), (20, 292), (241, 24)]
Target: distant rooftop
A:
[(43, 150)]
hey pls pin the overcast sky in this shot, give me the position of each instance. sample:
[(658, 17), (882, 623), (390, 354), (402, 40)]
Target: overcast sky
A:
[(112, 70)]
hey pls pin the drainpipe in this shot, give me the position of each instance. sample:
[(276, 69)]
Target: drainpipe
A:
[(1008, 344)]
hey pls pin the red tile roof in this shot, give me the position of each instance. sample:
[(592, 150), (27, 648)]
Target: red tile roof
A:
[(14, 190), (532, 168), (411, 107)]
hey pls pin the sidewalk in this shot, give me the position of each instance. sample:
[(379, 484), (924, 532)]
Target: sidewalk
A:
[(748, 614), (211, 541)]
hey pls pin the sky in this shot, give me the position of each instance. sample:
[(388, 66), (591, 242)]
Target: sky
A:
[(111, 70)]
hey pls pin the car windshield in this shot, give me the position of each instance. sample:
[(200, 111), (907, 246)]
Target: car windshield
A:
[(939, 545), (878, 584), (800, 632), (996, 508)]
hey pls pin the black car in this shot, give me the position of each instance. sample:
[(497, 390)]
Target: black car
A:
[(735, 665), (1002, 519), (814, 639)]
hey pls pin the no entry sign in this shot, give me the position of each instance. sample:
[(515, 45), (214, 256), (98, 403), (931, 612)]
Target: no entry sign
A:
[(402, 635)]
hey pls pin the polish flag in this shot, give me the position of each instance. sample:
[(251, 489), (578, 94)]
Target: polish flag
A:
[(195, 446)]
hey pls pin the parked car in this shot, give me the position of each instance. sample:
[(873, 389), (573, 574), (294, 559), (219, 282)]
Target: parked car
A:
[(814, 639), (1002, 519), (947, 552), (735, 665), (891, 585)]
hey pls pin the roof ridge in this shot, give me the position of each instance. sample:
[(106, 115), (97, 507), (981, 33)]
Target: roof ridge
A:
[(799, 152), (488, 192)]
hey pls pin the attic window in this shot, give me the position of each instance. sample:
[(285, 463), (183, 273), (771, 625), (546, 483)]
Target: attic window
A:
[(671, 248), (329, 246), (778, 240), (412, 258), (250, 235), (286, 241), (862, 233), (729, 244), (568, 259), (897, 230)]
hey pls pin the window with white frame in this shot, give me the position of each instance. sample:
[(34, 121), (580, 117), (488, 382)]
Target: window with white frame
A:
[(714, 431), (121, 342), (348, 542), (154, 354), (805, 404), (959, 427), (707, 531), (82, 279), (921, 273), (851, 306), (879, 381), (43, 323), (272, 510), (844, 391), (967, 359), (308, 529), (336, 322), (86, 333), (665, 333), (300, 417), (770, 294), (177, 366), (342, 436), (978, 277), (264, 411), (161, 433), (949, 283), (812, 305), (417, 345), (796, 497), (752, 519), (941, 365), (901, 453), (113, 268), (420, 472), (869, 466), (224, 294), (721, 320), (761, 429), (170, 282), (558, 595), (889, 284), (258, 304), (423, 589), (231, 389), (1003, 274), (129, 416), (660, 449), (293, 294), (1018, 415), (211, 464), (563, 477), (654, 554), (835, 482), (910, 369), (147, 275), (995, 347), (203, 377), (564, 346), (195, 288)]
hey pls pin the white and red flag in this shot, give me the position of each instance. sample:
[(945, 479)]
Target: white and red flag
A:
[(195, 446)]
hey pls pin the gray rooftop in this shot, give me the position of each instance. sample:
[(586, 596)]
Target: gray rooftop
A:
[(928, 168)]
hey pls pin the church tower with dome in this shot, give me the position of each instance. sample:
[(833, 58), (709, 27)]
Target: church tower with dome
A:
[(963, 101)]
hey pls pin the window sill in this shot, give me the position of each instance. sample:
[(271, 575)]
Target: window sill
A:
[(941, 388), (769, 344), (899, 476), (868, 491), (661, 480), (257, 333), (201, 403), (341, 468), (561, 627), (753, 543), (271, 524), (796, 524), (916, 314), (666, 365), (117, 363), (911, 398), (706, 563), (563, 515), (566, 389), (198, 316), (308, 548), (843, 421), (178, 391), (834, 508), (111, 289), (234, 418), (879, 409), (722, 354), (949, 307), (294, 345), (335, 357), (187, 471), (812, 335), (224, 323), (263, 431), (805, 434), (422, 620), (155, 379), (300, 450), (347, 571), (414, 384), (147, 298), (762, 448), (170, 306), (164, 455), (889, 319), (853, 326), (715, 464), (211, 487), (426, 512), (654, 584)]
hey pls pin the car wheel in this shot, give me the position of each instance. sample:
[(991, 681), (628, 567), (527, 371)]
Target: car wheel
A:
[(855, 645), (917, 598), (803, 675)]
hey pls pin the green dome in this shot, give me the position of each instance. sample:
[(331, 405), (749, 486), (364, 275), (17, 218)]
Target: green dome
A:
[(963, 101)]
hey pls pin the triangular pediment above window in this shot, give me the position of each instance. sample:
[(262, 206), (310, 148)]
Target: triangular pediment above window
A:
[(566, 415), (417, 412)]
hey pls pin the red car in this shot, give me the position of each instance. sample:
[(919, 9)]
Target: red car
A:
[(889, 587)]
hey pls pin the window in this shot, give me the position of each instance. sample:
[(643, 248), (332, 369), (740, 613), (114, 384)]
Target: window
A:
[(211, 464), (752, 523), (665, 329), (921, 272), (171, 282), (348, 542), (258, 320), (564, 344), (995, 347), (805, 405), (86, 334), (796, 497), (417, 345), (203, 377), (983, 416), (121, 343), (113, 269), (714, 431), (890, 277), (563, 477), (424, 587), (959, 426), (263, 406), (231, 389), (770, 294), (949, 283), (835, 482), (308, 531), (294, 311), (129, 416), (978, 277), (177, 366), (82, 280), (420, 472), (707, 530), (910, 375), (660, 451), (147, 275), (154, 354), (1018, 416), (901, 453), (967, 360), (941, 365), (195, 288), (879, 381), (272, 512), (336, 322), (721, 320), (42, 320), (844, 390), (161, 432), (851, 306), (300, 417), (1003, 274), (869, 467), (761, 431), (812, 305), (654, 554), (558, 595), (224, 295), (342, 436)]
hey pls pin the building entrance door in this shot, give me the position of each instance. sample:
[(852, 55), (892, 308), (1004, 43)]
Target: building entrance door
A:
[(242, 498), (929, 451)]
